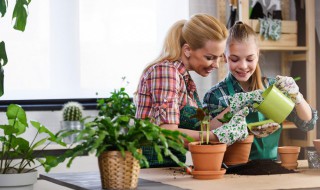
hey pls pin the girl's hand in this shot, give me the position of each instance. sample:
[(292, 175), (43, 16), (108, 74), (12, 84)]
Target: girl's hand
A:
[(235, 130), (289, 87), (244, 99)]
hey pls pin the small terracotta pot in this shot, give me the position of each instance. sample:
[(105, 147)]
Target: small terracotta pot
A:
[(207, 157), (289, 156), (316, 144), (238, 153)]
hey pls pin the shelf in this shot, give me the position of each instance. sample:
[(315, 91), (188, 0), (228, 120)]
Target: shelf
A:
[(298, 48), (287, 57)]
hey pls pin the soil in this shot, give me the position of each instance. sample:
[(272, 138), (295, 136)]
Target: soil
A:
[(259, 167)]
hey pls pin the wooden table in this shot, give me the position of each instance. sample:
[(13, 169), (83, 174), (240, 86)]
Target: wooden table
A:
[(173, 178), (306, 178)]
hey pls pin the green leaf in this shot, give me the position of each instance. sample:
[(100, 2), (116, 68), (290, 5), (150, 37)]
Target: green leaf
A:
[(8, 129), (39, 143), (3, 7), (20, 14), (16, 113), (22, 144)]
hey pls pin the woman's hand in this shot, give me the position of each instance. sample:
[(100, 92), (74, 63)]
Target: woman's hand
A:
[(235, 130), (244, 99), (288, 86)]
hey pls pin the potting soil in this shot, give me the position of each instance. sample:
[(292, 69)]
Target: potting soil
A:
[(259, 167)]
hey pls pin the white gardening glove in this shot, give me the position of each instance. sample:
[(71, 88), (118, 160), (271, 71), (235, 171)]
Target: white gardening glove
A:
[(265, 129), (289, 87), (235, 130), (244, 99)]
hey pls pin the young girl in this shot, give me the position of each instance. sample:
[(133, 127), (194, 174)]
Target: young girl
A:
[(242, 56)]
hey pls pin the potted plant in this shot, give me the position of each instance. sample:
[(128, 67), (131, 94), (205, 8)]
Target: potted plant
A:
[(206, 155), (72, 119), (18, 156), (116, 138)]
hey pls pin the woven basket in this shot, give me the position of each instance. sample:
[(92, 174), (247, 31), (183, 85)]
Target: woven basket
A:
[(117, 172)]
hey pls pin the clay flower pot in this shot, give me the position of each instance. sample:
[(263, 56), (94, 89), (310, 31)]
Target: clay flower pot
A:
[(207, 160), (289, 156), (238, 153), (316, 144)]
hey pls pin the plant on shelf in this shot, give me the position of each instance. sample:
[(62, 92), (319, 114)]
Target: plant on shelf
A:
[(17, 154), (116, 138), (72, 120), (72, 111)]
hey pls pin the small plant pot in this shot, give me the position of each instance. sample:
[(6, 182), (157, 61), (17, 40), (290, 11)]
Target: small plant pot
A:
[(71, 125), (289, 156), (18, 181), (207, 157), (316, 144), (238, 153)]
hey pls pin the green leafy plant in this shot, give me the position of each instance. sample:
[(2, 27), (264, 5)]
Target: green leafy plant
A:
[(19, 18), (116, 128), (119, 103), (72, 111), (17, 154), (204, 118)]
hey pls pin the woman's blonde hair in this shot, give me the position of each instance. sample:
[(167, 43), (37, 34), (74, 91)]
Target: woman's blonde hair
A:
[(199, 29), (241, 32)]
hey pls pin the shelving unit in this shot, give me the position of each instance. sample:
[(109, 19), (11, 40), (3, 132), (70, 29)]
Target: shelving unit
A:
[(287, 58)]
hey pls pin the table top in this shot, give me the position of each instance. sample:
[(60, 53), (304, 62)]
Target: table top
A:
[(175, 179)]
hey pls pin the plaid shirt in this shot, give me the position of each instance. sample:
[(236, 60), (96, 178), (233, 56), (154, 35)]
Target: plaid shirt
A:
[(164, 89), (216, 100)]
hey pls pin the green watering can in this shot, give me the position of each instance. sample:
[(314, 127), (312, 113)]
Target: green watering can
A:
[(275, 106)]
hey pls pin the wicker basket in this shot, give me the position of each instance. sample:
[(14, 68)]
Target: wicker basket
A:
[(117, 172)]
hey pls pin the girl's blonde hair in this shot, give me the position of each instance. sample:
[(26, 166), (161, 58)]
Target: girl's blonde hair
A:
[(199, 29), (241, 32)]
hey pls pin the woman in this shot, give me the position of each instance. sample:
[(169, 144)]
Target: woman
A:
[(166, 92), (242, 55)]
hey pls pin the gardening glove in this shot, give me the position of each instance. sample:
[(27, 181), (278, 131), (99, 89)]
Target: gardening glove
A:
[(289, 87), (235, 130), (265, 129), (244, 99)]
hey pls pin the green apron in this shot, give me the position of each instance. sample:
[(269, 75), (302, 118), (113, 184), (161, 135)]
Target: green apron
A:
[(262, 148), (186, 123)]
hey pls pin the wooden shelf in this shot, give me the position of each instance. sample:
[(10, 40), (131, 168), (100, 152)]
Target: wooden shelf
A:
[(287, 58), (298, 48)]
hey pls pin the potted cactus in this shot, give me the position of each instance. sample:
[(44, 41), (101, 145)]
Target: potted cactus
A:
[(72, 119)]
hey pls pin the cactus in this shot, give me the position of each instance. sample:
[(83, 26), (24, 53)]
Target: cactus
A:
[(72, 111)]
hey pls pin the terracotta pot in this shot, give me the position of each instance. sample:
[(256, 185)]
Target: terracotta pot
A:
[(207, 157), (238, 153), (289, 156), (316, 144), (209, 174)]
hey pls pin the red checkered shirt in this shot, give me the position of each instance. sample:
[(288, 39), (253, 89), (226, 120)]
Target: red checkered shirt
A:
[(162, 92)]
